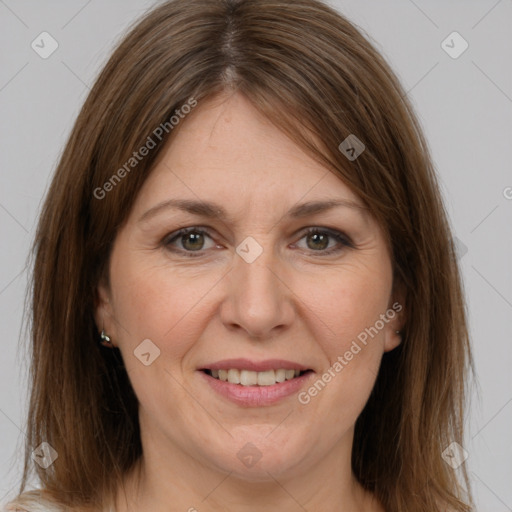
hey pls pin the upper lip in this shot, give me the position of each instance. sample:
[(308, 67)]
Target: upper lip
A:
[(255, 366)]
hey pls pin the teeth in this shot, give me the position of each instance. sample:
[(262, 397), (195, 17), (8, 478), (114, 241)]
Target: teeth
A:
[(233, 376), (266, 378), (250, 378), (280, 375)]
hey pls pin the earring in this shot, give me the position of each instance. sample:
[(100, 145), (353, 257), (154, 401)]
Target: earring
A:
[(398, 332), (105, 340)]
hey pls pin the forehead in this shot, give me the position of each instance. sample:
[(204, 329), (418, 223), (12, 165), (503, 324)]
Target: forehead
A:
[(227, 147)]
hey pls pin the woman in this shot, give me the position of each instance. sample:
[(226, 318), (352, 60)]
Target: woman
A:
[(245, 294)]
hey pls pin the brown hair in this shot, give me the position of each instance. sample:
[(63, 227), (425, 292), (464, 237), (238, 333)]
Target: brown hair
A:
[(315, 76)]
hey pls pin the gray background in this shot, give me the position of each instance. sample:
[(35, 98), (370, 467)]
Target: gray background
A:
[(465, 107)]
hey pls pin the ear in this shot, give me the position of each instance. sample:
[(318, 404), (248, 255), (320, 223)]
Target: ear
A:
[(103, 311), (396, 314)]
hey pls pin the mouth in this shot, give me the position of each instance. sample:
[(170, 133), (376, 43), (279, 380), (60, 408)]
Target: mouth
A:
[(247, 378), (249, 383)]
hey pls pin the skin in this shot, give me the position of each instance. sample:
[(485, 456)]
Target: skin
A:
[(293, 302)]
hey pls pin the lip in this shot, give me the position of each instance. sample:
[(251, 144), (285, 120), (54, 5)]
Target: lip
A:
[(256, 396), (255, 366)]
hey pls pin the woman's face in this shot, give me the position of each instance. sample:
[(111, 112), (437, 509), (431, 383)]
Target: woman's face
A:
[(266, 277)]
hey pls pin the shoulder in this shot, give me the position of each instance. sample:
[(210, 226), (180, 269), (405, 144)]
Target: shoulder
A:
[(33, 501), (38, 500)]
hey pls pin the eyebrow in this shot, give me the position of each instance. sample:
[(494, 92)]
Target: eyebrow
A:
[(215, 211)]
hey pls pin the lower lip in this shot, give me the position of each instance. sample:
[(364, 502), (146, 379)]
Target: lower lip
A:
[(257, 396)]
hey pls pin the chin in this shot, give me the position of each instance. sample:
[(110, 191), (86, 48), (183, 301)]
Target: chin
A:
[(256, 459)]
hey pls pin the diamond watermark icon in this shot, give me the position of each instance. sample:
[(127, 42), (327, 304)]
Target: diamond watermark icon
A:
[(146, 352), (44, 455), (351, 147), (249, 455), (44, 45), (460, 248), (249, 249), (454, 455), (454, 45)]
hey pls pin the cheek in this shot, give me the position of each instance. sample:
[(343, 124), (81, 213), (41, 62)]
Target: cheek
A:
[(159, 303), (347, 308), (345, 304)]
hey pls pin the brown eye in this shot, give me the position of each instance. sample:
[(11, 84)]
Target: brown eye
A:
[(192, 241), (324, 242), (317, 241), (188, 240)]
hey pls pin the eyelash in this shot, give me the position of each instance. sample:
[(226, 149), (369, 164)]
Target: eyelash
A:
[(340, 238)]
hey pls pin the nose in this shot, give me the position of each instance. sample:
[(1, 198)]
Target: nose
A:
[(258, 299)]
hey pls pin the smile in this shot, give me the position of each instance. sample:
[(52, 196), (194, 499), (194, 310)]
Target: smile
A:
[(253, 378)]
